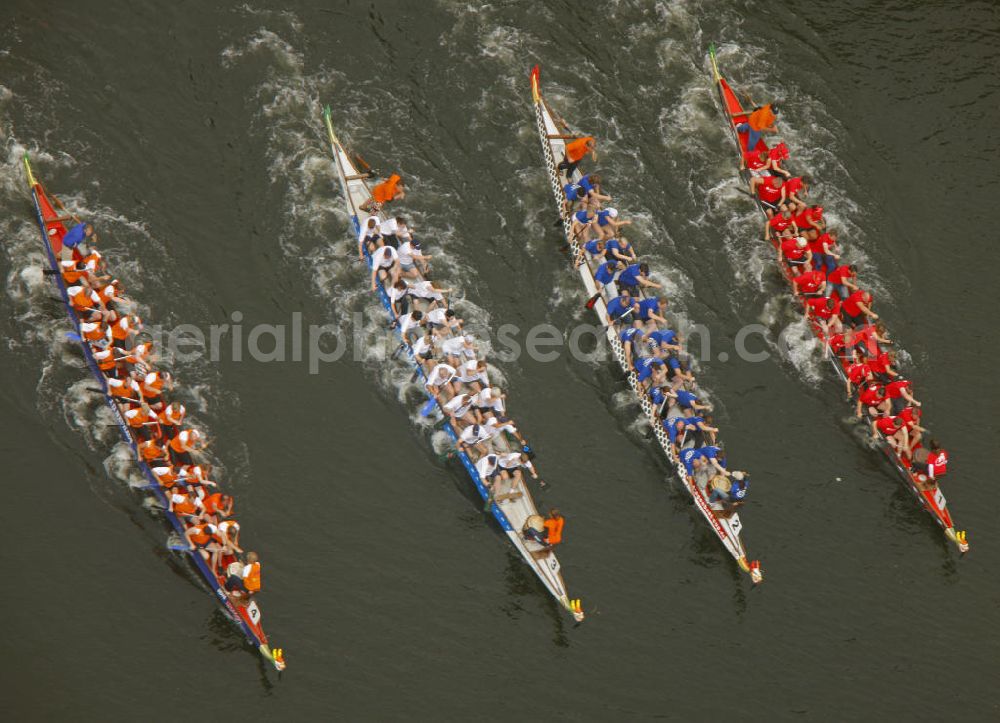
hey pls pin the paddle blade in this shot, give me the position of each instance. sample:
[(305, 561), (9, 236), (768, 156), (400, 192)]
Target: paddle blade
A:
[(428, 408), (73, 336)]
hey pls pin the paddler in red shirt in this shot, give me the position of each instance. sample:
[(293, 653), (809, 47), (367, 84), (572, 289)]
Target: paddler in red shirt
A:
[(760, 161), (856, 307), (894, 431), (841, 278), (899, 393), (858, 373), (795, 188), (795, 250), (812, 217), (911, 418), (871, 396), (770, 190), (881, 364), (779, 222), (824, 310), (811, 283)]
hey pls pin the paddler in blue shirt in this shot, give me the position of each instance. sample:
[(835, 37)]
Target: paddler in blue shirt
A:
[(636, 276), (81, 232), (622, 307)]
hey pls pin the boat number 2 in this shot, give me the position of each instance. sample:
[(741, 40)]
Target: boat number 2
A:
[(735, 524), (253, 612)]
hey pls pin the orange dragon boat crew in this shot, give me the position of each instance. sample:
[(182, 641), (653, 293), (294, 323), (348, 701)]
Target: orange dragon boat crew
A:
[(576, 150), (171, 418), (152, 388), (219, 505), (124, 389), (93, 330), (84, 300), (184, 443), (142, 421), (391, 189), (72, 271), (205, 539), (151, 452), (229, 533), (125, 327)]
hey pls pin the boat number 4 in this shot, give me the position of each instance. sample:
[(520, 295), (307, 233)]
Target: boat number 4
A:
[(253, 612)]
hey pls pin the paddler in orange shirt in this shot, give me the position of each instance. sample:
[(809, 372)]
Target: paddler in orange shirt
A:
[(391, 189), (576, 151), (760, 121)]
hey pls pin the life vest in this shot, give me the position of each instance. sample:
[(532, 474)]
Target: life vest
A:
[(165, 476), (224, 530), (80, 297), (184, 441), (553, 530), (762, 118), (70, 273), (203, 534), (123, 388), (251, 577), (937, 464), (173, 414), (213, 503), (150, 450), (138, 417), (183, 505), (92, 330), (105, 359), (152, 385), (385, 191), (121, 328), (577, 149), (92, 261)]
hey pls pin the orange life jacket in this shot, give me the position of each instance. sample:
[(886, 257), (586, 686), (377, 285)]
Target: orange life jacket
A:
[(385, 191), (183, 505), (165, 476), (137, 417), (251, 577), (121, 328), (204, 534), (152, 385), (172, 414), (122, 388), (762, 118), (577, 149), (92, 261), (183, 442), (150, 450), (70, 273), (80, 297), (213, 503), (107, 293), (553, 530), (105, 359), (92, 330)]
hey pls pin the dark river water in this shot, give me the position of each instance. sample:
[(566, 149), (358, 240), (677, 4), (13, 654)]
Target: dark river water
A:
[(190, 133)]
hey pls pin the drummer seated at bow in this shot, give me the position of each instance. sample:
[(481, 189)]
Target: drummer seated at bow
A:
[(576, 150), (729, 491), (391, 189)]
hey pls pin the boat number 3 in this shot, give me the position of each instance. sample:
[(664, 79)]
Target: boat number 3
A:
[(253, 612)]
